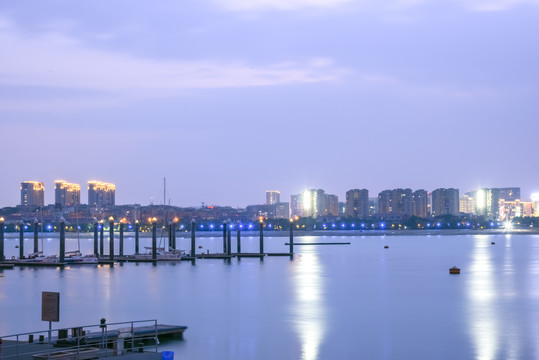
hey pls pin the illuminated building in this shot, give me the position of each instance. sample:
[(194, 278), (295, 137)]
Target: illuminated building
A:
[(32, 193), (420, 200), (445, 202), (66, 194), (332, 205), (517, 208), (357, 203), (535, 201), (467, 204), (397, 201), (310, 203), (101, 194), (487, 200), (273, 197)]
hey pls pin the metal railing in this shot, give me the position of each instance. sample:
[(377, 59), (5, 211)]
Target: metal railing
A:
[(84, 342)]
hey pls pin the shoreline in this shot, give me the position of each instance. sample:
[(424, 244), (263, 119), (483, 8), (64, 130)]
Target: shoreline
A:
[(305, 233)]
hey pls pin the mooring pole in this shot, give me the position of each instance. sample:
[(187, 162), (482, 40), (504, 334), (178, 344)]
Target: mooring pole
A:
[(36, 237), (228, 238), (174, 233), (96, 251), (224, 237), (261, 223), (21, 240), (137, 229), (291, 242), (111, 238), (121, 250), (101, 240), (154, 239), (238, 238), (2, 257), (62, 240), (193, 229)]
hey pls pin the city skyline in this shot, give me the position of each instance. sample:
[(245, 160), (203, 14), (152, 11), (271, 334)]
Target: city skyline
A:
[(227, 98)]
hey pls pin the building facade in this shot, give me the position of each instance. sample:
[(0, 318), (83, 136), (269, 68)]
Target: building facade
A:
[(66, 194), (357, 203), (397, 201), (101, 194), (273, 197), (420, 199), (332, 205), (445, 202), (32, 193)]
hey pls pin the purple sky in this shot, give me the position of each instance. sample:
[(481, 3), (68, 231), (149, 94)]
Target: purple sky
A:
[(229, 98)]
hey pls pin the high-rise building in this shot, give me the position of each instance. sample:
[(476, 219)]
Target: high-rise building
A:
[(397, 201), (445, 202), (487, 202), (420, 199), (357, 203), (512, 209), (273, 197), (332, 205), (32, 193), (509, 194), (310, 203), (66, 194), (101, 194)]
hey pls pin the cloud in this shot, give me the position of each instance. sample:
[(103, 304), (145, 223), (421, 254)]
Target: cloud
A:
[(392, 5), (55, 60)]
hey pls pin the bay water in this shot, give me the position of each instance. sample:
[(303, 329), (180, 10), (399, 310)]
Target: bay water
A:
[(357, 301)]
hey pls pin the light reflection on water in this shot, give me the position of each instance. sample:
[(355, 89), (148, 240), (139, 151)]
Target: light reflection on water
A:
[(309, 311)]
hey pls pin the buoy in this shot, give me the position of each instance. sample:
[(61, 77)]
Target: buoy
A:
[(492, 243), (200, 246), (386, 247), (454, 270), (16, 246)]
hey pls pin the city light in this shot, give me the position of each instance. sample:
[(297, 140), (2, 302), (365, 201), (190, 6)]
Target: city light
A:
[(480, 199), (508, 225)]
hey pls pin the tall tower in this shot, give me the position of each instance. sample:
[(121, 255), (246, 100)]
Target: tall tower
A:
[(66, 194), (101, 193), (32, 193)]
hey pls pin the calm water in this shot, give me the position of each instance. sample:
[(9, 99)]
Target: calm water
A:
[(331, 302)]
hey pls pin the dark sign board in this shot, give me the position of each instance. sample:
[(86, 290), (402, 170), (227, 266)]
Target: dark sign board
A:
[(50, 306)]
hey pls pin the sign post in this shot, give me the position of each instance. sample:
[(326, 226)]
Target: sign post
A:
[(50, 309)]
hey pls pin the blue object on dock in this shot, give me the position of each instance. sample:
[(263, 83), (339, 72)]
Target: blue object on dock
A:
[(167, 355)]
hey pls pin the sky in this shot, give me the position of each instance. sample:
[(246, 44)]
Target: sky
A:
[(229, 98)]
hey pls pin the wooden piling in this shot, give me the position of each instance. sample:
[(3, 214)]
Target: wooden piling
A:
[(96, 250), (224, 237), (111, 238), (291, 237), (261, 223), (229, 240), (101, 240), (193, 229), (36, 236), (2, 256), (121, 249), (21, 240), (62, 240), (137, 229), (154, 239), (238, 238)]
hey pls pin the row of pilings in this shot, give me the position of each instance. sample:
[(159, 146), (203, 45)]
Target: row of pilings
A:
[(99, 239)]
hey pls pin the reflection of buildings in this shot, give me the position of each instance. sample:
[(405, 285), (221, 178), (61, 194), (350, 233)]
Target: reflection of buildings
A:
[(445, 202), (32, 193), (66, 194), (101, 194), (273, 197), (357, 203)]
